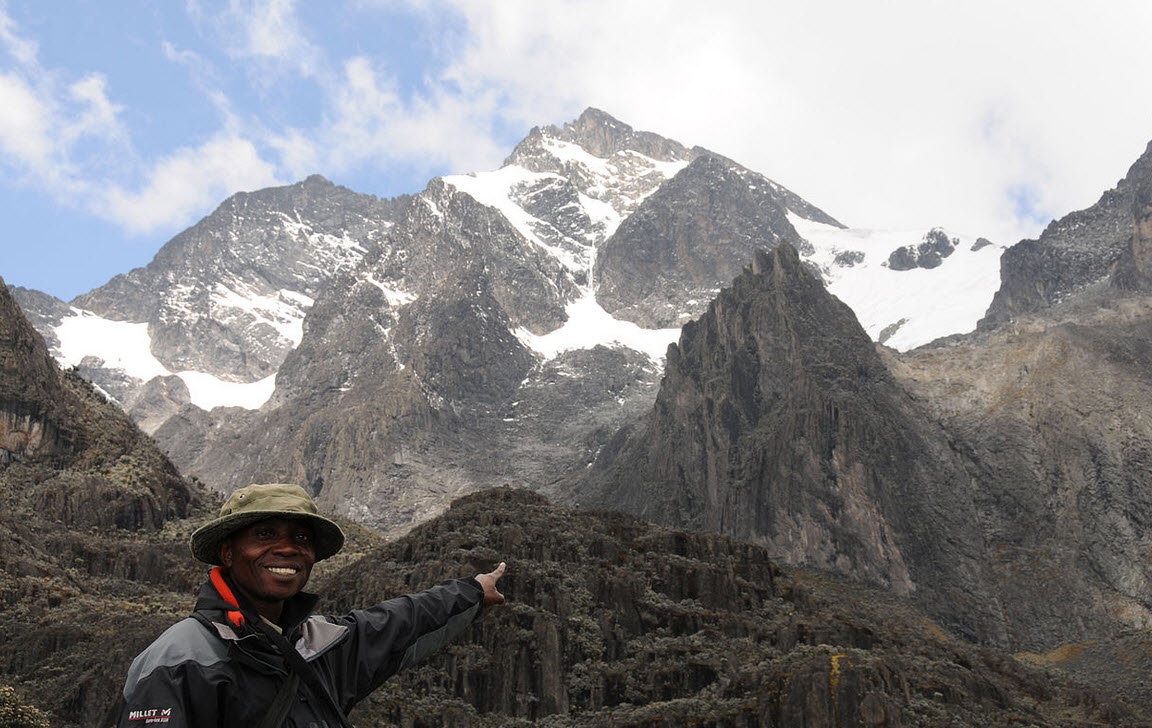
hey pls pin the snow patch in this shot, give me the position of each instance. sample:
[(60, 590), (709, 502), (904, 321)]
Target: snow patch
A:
[(495, 188), (121, 344), (932, 303), (589, 325), (395, 296), (283, 311), (208, 391), (127, 346)]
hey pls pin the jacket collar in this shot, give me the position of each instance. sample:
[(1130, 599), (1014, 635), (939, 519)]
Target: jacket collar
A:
[(226, 606)]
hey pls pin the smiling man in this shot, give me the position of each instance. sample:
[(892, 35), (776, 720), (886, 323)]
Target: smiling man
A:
[(253, 654)]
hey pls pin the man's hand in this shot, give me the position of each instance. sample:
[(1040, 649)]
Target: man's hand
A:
[(488, 581)]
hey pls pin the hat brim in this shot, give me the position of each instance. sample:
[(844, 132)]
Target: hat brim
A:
[(206, 540)]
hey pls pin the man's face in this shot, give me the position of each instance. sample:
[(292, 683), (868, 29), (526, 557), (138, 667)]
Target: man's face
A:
[(270, 561)]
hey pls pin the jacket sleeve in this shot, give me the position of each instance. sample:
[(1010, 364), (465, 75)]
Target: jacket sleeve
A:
[(170, 686), (398, 633)]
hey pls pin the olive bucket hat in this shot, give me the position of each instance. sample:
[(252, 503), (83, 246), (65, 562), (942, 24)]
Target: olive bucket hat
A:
[(257, 502)]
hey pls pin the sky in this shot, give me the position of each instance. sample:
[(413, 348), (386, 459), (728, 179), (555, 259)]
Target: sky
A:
[(123, 123)]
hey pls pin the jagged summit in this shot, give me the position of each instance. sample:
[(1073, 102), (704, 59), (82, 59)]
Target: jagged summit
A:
[(1084, 249), (602, 135), (273, 334), (227, 296), (769, 425)]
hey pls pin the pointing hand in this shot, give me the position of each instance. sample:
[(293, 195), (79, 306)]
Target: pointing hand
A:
[(488, 581)]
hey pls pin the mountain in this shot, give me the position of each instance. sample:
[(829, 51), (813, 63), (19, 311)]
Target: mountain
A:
[(227, 296), (91, 521), (1077, 252), (216, 311), (610, 620), (982, 475), (495, 328), (777, 421), (832, 404)]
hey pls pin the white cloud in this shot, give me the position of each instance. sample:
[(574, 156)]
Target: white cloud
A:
[(67, 137), (190, 180), (369, 122), (900, 113), (267, 32), (982, 117), (22, 50), (23, 124)]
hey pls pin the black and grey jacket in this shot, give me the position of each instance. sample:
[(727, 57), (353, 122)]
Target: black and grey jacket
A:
[(212, 672)]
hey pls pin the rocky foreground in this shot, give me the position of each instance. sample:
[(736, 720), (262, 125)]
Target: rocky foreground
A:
[(614, 621)]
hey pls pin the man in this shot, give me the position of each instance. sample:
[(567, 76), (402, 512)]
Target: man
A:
[(252, 654)]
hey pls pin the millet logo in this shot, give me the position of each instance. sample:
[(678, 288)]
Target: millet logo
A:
[(154, 715)]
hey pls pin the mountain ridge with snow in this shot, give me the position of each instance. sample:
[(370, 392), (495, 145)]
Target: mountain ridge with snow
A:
[(553, 207)]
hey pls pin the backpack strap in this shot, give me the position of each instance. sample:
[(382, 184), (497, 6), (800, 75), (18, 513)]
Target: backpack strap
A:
[(278, 711), (301, 667)]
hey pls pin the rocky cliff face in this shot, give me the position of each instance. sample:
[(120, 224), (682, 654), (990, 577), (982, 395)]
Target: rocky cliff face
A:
[(32, 403), (1052, 420), (84, 499), (227, 295), (1002, 466), (777, 421), (69, 453), (669, 259), (1074, 252), (612, 621), (1134, 270)]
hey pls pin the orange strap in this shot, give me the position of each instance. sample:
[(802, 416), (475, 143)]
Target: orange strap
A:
[(217, 576)]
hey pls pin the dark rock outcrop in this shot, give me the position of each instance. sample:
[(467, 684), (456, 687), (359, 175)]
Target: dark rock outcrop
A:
[(668, 259), (1134, 269), (929, 253), (91, 532), (614, 622), (72, 456), (777, 421), (980, 475), (1076, 251), (34, 419)]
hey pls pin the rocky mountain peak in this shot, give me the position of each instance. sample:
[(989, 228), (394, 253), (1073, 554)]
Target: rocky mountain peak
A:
[(227, 296), (601, 135), (668, 259), (1080, 250), (1134, 269), (770, 424)]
